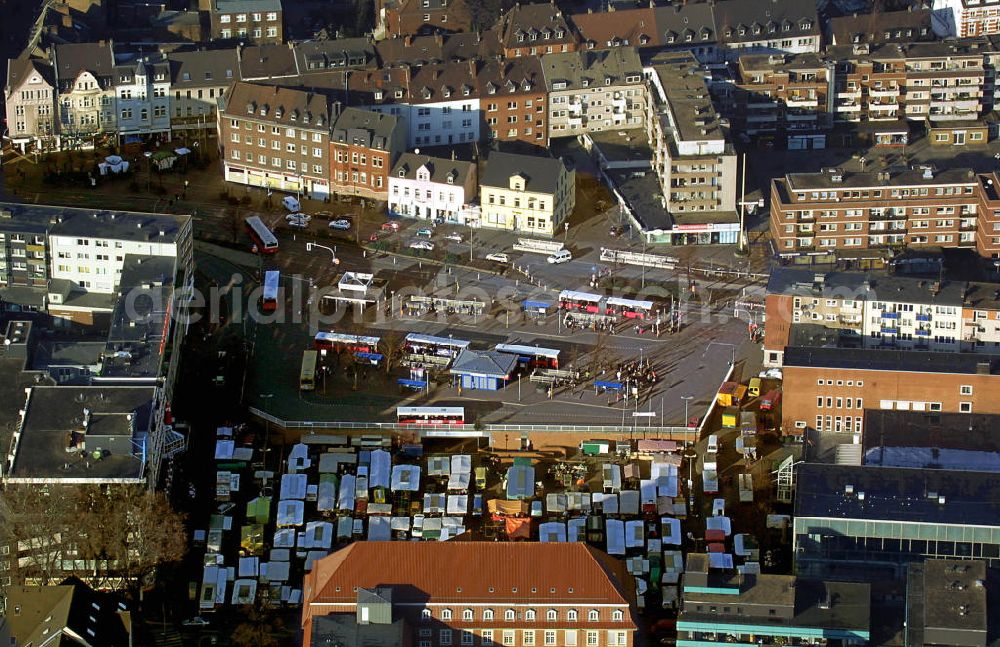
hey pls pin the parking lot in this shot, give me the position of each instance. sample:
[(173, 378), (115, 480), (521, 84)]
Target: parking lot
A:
[(689, 363)]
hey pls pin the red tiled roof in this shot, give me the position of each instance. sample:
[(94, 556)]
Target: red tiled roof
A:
[(454, 571), (778, 308)]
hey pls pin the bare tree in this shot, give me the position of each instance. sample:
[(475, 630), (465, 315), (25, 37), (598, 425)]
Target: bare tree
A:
[(38, 525), (391, 346), (132, 529), (259, 628)]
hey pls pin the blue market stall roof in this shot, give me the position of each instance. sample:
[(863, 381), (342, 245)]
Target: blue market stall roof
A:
[(484, 363)]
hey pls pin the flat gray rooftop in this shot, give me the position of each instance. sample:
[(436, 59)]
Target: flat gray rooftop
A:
[(123, 225), (55, 415)]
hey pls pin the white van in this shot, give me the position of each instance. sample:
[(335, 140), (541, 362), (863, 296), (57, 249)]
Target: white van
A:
[(562, 256), (291, 203), (713, 445)]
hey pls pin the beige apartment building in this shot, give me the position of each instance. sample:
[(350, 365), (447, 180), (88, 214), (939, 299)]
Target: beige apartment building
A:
[(693, 160), (526, 193), (30, 97), (594, 90)]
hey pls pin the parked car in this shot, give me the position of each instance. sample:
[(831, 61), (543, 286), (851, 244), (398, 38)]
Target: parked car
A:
[(498, 257), (425, 245), (454, 237), (424, 232), (298, 216), (562, 256), (376, 235), (341, 224), (291, 203), (298, 223), (390, 226)]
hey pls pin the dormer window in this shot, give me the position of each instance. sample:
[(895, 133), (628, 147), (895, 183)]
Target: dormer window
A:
[(251, 108), (466, 90), (806, 24), (585, 82), (398, 94), (263, 110), (451, 178), (279, 112), (208, 76), (294, 116), (607, 80), (446, 91), (185, 76), (643, 40), (378, 95), (560, 33), (402, 172), (491, 89)]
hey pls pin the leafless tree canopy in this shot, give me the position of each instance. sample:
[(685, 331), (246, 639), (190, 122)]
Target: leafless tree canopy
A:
[(113, 537)]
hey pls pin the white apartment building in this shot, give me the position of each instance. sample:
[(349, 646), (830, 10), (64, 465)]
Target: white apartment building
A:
[(432, 188), (142, 93), (861, 310), (442, 105), (89, 250)]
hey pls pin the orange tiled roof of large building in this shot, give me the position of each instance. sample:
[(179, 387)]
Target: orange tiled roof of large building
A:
[(469, 571)]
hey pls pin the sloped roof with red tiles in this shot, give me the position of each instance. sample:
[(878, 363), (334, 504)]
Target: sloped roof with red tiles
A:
[(469, 572), (779, 324)]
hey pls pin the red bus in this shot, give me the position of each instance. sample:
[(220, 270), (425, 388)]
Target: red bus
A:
[(339, 341), (269, 298), (532, 356), (430, 415), (263, 238), (630, 308), (582, 301)]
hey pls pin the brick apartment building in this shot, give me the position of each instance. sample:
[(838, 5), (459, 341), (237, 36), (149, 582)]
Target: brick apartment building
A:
[(964, 18), (836, 211), (832, 389), (512, 594), (363, 147), (277, 138), (399, 18), (513, 100), (873, 88)]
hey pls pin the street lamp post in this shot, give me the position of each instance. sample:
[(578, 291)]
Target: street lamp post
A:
[(332, 250), (722, 343), (687, 399)]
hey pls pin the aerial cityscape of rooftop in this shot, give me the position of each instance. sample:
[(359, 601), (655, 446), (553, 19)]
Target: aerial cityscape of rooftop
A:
[(442, 323)]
